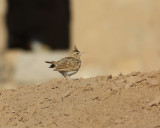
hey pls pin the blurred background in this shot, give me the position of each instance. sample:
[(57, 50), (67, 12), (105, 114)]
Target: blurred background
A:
[(116, 36)]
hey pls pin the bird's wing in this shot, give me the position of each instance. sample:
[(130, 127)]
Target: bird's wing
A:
[(64, 61), (62, 68), (67, 64)]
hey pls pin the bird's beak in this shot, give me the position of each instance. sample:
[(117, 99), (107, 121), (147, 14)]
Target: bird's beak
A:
[(82, 53)]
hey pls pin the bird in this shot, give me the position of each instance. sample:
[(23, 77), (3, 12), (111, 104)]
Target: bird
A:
[(69, 65)]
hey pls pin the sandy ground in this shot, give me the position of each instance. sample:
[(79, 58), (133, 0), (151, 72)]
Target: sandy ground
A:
[(124, 101)]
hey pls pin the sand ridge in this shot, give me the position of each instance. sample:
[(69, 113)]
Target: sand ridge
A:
[(124, 101)]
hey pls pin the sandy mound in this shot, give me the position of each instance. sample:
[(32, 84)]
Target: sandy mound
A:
[(130, 101)]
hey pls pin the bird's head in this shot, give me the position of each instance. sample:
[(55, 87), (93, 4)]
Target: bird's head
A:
[(75, 53)]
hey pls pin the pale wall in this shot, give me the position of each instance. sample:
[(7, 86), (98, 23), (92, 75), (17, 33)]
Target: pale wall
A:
[(117, 35)]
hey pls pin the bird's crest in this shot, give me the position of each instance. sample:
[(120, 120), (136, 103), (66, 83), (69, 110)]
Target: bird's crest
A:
[(75, 49)]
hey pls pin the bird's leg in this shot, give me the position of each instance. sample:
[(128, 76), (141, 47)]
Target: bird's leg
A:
[(65, 75)]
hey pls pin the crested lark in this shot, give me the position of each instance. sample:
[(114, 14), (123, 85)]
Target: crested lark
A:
[(69, 65)]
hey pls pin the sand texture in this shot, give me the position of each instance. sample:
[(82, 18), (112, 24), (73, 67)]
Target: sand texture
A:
[(124, 101)]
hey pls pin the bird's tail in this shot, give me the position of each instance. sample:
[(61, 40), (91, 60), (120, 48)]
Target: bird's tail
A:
[(53, 63)]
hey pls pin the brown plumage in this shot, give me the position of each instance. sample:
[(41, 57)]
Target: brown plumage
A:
[(69, 65)]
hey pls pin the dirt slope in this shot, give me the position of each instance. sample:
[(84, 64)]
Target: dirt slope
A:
[(130, 101)]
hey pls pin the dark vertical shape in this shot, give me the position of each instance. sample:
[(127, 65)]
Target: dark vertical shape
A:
[(44, 20)]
